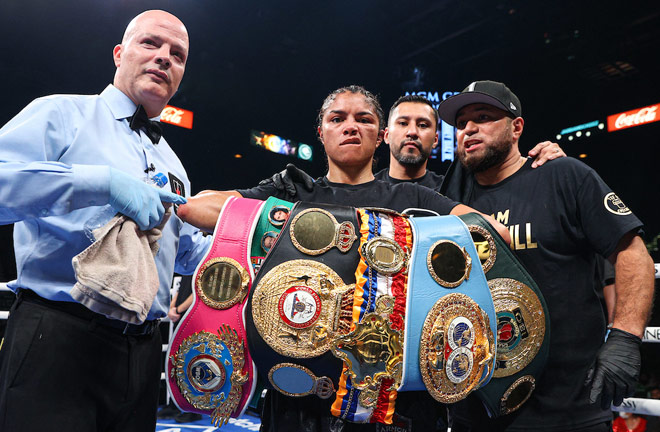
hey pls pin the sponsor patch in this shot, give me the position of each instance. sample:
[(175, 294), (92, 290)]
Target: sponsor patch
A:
[(613, 204)]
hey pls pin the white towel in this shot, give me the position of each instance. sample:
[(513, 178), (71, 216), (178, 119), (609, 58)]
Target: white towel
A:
[(117, 274)]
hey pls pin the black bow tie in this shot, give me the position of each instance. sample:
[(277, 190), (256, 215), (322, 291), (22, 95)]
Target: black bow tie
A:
[(139, 120)]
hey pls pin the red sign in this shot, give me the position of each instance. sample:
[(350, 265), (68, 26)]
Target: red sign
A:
[(177, 116), (633, 118)]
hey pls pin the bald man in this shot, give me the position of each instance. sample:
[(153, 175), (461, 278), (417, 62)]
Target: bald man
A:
[(66, 160)]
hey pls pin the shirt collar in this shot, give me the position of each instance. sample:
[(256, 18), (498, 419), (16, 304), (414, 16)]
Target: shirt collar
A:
[(120, 105)]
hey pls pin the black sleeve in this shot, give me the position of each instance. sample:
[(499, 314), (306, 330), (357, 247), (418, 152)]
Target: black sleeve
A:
[(604, 217)]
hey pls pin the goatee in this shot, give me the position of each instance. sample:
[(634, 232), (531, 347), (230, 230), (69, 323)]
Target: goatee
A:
[(493, 155)]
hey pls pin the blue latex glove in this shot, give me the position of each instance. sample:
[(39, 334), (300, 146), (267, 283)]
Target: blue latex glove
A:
[(139, 201)]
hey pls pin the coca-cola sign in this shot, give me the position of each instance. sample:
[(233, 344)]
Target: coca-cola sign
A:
[(633, 118), (177, 116)]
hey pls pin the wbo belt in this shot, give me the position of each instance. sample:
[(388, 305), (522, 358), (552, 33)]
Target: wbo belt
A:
[(76, 309), (210, 370), (302, 299), (450, 346), (523, 322)]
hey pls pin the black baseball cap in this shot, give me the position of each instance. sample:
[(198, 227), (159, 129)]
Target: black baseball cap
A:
[(487, 92)]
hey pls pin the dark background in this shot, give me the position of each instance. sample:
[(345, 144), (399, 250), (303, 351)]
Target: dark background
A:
[(267, 65)]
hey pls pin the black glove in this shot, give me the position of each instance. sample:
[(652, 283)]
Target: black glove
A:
[(286, 180), (614, 373)]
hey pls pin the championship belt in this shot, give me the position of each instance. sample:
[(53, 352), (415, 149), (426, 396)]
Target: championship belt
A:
[(302, 300), (523, 323), (210, 370), (450, 328), (373, 350), (274, 214)]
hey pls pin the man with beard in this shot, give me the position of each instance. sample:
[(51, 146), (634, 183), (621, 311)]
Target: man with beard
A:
[(411, 134), (560, 218)]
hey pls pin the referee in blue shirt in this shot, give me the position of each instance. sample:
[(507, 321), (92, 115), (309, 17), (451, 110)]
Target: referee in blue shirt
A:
[(65, 160)]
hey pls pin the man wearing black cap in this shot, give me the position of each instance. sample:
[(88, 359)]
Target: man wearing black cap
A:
[(560, 218)]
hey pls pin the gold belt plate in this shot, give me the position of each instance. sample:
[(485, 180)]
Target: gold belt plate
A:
[(520, 325), (455, 348), (298, 308)]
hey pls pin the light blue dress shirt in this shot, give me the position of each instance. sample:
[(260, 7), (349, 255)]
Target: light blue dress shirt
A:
[(54, 176)]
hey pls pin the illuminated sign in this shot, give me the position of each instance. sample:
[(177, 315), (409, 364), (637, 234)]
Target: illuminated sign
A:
[(277, 144), (446, 132), (636, 117), (580, 127), (177, 116)]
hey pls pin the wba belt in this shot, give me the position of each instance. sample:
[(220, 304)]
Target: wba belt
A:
[(373, 351), (450, 322), (523, 323), (210, 371), (302, 299)]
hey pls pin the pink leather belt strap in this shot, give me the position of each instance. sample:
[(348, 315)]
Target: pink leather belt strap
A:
[(210, 370)]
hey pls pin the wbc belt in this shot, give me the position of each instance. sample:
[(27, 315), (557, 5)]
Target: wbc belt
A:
[(450, 317), (373, 350), (210, 370), (302, 299), (523, 323)]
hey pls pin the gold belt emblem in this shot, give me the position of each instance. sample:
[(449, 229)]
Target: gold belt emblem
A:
[(520, 325), (300, 307), (455, 348)]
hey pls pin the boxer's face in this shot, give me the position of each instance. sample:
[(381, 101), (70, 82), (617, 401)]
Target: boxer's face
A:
[(151, 59), (350, 131), (411, 133)]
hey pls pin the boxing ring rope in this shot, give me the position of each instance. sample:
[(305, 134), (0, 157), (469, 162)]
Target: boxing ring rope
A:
[(631, 405)]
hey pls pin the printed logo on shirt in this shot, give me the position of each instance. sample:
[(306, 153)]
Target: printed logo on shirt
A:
[(176, 185), (613, 204)]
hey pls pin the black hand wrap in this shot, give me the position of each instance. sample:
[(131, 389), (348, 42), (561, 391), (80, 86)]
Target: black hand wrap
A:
[(615, 371), (286, 180)]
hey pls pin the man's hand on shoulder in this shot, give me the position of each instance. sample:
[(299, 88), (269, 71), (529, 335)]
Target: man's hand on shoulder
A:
[(545, 151), (287, 179)]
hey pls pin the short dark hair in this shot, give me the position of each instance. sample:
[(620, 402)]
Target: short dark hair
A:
[(414, 99), (370, 97)]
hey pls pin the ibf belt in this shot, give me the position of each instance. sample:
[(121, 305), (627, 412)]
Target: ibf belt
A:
[(302, 299), (210, 371), (523, 326), (450, 346), (273, 217), (373, 351)]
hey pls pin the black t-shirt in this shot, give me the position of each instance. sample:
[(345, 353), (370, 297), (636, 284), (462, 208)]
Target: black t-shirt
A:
[(416, 411), (430, 179), (376, 193), (560, 216)]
